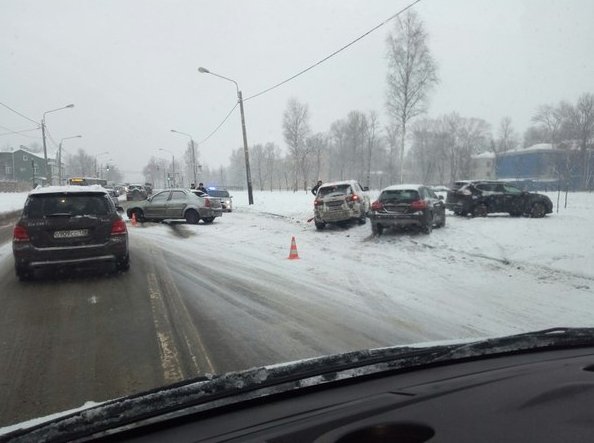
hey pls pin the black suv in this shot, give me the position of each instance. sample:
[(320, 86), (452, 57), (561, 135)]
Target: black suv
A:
[(479, 198), (402, 206), (69, 227)]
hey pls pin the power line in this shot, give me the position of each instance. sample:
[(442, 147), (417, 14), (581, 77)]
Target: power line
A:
[(334, 53), (220, 124), (18, 113), (19, 132)]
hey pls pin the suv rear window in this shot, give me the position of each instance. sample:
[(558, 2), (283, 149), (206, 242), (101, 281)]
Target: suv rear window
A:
[(334, 190), (47, 205), (218, 193), (400, 195)]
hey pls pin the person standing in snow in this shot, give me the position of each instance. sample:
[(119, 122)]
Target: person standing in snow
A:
[(314, 190), (202, 188)]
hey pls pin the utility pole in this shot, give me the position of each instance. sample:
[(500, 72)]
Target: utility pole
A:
[(194, 162), (44, 152), (245, 150)]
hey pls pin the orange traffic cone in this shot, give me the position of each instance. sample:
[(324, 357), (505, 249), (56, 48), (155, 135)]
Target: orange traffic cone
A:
[(134, 221), (293, 254)]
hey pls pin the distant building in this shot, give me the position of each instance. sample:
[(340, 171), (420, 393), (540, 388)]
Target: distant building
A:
[(543, 166), (482, 166), (21, 165)]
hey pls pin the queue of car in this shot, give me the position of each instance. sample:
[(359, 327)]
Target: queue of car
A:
[(419, 207)]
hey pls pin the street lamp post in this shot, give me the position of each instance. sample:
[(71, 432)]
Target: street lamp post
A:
[(97, 155), (172, 167), (48, 173), (60, 156), (193, 153), (243, 130)]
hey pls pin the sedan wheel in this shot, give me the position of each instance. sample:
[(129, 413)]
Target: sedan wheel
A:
[(479, 211), (192, 217), (537, 211)]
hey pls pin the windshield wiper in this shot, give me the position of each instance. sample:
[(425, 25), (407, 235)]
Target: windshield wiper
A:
[(59, 214)]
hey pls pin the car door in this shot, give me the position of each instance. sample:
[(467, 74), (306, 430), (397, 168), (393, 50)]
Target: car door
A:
[(176, 204), (512, 200), (156, 207), (488, 196)]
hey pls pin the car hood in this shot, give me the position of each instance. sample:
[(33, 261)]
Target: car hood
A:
[(209, 392)]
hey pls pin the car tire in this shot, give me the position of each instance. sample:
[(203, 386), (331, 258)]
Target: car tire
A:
[(377, 229), (320, 225), (123, 264), (191, 217), (537, 211), (362, 220), (442, 222), (208, 220), (428, 227), (480, 211)]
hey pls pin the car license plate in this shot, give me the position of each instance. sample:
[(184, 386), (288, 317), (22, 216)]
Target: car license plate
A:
[(71, 234)]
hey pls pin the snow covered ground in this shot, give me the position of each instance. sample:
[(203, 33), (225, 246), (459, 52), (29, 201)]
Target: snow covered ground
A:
[(12, 201), (475, 277)]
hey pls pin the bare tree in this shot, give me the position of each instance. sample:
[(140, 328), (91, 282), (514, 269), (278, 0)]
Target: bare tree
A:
[(582, 123), (507, 139), (80, 164), (372, 140), (412, 73), (295, 131)]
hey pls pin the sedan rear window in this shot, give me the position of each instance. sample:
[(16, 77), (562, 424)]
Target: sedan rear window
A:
[(51, 205), (400, 195), (334, 190)]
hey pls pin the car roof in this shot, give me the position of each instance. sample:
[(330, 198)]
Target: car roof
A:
[(403, 187), (338, 183), (69, 190)]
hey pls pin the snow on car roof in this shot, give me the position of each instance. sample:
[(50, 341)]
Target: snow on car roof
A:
[(67, 189), (403, 187), (338, 183)]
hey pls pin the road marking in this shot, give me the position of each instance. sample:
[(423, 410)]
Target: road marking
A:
[(170, 362), (171, 288)]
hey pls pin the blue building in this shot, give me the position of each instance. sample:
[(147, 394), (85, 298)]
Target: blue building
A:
[(542, 167)]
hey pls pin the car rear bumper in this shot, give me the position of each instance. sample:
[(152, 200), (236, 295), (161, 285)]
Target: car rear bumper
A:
[(211, 212), (396, 220), (28, 256), (337, 215)]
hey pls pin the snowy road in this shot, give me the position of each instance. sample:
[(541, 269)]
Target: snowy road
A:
[(213, 298)]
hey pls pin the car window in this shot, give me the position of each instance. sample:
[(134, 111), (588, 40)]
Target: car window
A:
[(487, 187), (39, 206), (511, 189), (160, 197), (399, 196), (218, 193), (335, 190), (178, 195)]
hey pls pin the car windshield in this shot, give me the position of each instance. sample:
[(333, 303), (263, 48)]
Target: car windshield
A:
[(381, 173)]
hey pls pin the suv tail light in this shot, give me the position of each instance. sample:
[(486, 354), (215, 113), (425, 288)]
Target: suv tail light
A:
[(207, 202), (119, 227), (417, 205), (317, 202), (377, 206), (19, 233), (352, 198)]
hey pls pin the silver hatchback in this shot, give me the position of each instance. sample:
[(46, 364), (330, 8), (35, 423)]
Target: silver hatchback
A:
[(340, 201)]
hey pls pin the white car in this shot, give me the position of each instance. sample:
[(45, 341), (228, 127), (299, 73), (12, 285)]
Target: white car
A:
[(340, 201)]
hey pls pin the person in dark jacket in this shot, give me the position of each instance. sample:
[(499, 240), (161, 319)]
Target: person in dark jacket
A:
[(314, 190), (202, 188)]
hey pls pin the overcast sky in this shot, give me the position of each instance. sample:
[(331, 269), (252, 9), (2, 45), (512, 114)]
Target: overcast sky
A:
[(130, 67)]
